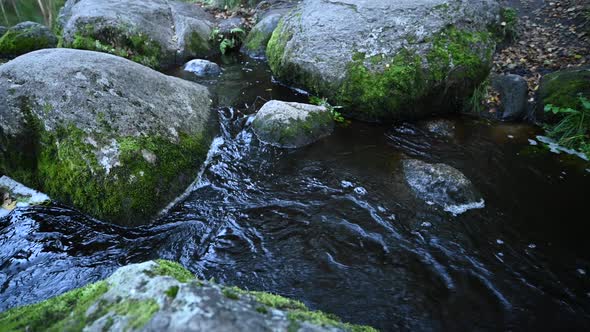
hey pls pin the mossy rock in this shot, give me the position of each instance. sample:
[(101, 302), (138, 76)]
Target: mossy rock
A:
[(382, 69), (292, 125), (151, 297), (257, 39), (26, 37), (156, 33), (564, 88), (113, 138)]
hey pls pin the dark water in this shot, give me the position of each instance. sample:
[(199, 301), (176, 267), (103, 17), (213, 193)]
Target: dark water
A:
[(336, 226)]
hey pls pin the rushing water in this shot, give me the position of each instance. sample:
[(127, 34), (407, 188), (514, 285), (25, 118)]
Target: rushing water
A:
[(336, 226)]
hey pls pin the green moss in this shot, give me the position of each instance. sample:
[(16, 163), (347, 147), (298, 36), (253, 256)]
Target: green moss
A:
[(17, 42), (172, 292), (287, 135), (393, 90), (198, 45), (275, 49), (257, 40), (121, 41), (64, 312), (172, 269), (230, 293), (564, 88)]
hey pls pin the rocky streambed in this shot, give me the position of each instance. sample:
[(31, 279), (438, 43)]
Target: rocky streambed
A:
[(423, 221)]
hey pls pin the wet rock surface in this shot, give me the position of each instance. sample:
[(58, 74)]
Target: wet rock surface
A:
[(292, 125), (202, 68), (442, 185)]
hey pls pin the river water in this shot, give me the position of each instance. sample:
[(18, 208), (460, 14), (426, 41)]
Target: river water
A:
[(336, 226)]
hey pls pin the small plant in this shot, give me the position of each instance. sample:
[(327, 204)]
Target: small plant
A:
[(337, 116), (230, 41), (476, 103), (509, 22), (573, 130)]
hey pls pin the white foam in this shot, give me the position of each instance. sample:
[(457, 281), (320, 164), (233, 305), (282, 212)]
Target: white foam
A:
[(556, 148), (462, 208)]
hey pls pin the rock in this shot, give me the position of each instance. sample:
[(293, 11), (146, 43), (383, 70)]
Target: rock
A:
[(386, 60), (563, 89), (256, 41), (442, 185), (155, 33), (292, 125), (78, 125), (513, 91), (441, 127), (202, 68), (14, 195), (26, 37), (163, 296)]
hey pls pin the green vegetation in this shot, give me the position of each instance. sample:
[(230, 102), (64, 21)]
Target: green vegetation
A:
[(475, 102), (228, 42), (121, 41), (172, 269), (64, 312), (40, 11), (457, 57), (336, 116), (172, 292), (509, 24), (16, 42), (573, 128)]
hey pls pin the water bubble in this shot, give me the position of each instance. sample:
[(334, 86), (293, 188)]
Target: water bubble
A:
[(533, 142), (381, 209), (426, 224), (532, 246), (392, 217), (501, 254), (510, 136), (360, 190), (581, 272), (498, 241)]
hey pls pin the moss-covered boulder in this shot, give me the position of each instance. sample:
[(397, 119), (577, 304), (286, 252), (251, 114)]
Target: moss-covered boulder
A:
[(155, 33), (25, 37), (292, 125), (564, 89), (257, 39), (385, 59), (111, 137), (163, 296)]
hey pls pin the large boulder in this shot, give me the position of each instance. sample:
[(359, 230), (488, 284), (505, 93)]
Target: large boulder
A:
[(513, 90), (115, 139), (156, 33), (292, 125), (163, 296), (442, 185), (563, 89), (386, 59), (26, 37)]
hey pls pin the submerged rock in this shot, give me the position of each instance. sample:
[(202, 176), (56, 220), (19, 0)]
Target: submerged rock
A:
[(111, 137), (442, 185), (25, 37), (155, 33), (441, 127), (513, 91), (202, 68), (163, 296), (385, 59), (14, 194), (292, 125)]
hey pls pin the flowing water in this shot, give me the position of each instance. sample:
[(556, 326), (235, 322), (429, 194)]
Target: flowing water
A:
[(336, 226)]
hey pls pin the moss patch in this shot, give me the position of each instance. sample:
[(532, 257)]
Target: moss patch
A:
[(295, 131), (16, 42), (64, 312), (121, 41), (564, 88), (257, 40), (172, 269), (455, 60)]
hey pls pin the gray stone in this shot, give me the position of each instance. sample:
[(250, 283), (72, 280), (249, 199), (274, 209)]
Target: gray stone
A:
[(202, 68), (147, 297), (513, 91), (116, 139), (257, 39), (563, 89), (26, 37), (292, 125), (442, 185), (157, 33), (386, 59)]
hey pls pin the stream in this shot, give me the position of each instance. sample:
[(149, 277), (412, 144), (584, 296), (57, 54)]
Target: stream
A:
[(336, 226)]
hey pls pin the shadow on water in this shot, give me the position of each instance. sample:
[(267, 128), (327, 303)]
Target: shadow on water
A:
[(336, 226)]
